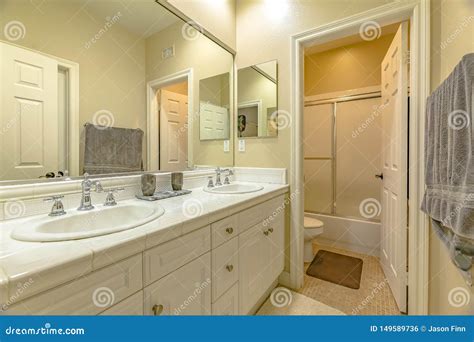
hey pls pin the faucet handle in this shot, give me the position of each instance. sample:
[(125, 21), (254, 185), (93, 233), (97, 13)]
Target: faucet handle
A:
[(210, 183), (98, 186), (58, 207), (110, 199)]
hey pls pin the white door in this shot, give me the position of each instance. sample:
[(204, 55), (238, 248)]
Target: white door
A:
[(28, 113), (186, 291), (173, 131), (394, 193), (214, 122)]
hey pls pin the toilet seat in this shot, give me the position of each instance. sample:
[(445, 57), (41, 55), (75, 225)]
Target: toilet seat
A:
[(311, 223)]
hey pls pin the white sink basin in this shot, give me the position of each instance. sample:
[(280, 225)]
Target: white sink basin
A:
[(85, 224), (234, 188)]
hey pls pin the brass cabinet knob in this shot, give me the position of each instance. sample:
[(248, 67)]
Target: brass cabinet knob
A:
[(270, 230), (266, 232), (229, 230), (229, 268), (157, 309)]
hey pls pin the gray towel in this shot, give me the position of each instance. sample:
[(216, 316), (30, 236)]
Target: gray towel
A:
[(112, 150), (449, 160)]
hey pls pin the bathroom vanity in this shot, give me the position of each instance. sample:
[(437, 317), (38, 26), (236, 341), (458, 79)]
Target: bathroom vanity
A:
[(208, 253)]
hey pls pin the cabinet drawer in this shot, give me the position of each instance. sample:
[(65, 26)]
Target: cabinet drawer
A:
[(88, 295), (224, 230), (225, 267), (131, 306), (186, 291), (165, 258), (228, 304), (252, 216)]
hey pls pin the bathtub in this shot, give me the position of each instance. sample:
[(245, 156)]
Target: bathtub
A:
[(350, 234)]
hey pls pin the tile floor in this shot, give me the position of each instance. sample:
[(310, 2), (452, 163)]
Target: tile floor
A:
[(374, 296), (291, 303)]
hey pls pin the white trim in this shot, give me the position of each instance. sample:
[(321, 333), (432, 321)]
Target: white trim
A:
[(249, 104), (418, 12), (153, 119), (342, 94), (73, 136)]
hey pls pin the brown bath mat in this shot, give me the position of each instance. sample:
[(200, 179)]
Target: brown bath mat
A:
[(336, 268)]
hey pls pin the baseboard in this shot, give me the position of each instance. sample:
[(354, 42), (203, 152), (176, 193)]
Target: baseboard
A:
[(348, 247)]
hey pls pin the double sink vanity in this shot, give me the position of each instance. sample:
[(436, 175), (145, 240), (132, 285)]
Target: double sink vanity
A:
[(218, 251)]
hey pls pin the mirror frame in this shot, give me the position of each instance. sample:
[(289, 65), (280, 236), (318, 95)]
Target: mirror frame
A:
[(236, 123)]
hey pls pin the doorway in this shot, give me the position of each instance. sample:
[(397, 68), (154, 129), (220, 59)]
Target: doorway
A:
[(417, 13), (169, 127)]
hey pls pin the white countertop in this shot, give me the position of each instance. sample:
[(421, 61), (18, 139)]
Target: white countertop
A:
[(35, 267)]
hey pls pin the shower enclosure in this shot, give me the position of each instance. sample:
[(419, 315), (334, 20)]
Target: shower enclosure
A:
[(342, 156)]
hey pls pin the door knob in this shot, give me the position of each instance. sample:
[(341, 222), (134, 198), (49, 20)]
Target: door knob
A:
[(379, 176)]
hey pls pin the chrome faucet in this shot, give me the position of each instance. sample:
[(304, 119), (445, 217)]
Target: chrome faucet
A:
[(227, 179), (218, 176), (87, 184), (57, 209)]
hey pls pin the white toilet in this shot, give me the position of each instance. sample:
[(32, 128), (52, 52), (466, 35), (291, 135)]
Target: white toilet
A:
[(312, 228)]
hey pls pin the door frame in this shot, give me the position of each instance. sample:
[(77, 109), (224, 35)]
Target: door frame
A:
[(153, 115), (73, 129), (418, 13)]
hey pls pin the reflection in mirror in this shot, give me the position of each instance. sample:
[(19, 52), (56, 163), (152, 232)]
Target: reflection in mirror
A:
[(214, 107), (257, 100), (104, 87)]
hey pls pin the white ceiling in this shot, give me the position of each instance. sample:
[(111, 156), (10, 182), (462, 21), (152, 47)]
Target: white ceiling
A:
[(142, 17)]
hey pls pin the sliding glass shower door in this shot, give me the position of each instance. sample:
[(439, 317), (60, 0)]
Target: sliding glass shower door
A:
[(343, 147)]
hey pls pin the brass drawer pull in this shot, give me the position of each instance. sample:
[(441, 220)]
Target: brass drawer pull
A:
[(266, 232), (229, 230), (157, 309), (270, 230), (229, 268)]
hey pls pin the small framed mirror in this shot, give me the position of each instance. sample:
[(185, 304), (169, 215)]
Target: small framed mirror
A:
[(258, 101)]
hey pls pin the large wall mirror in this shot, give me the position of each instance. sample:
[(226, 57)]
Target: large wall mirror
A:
[(258, 101), (107, 87)]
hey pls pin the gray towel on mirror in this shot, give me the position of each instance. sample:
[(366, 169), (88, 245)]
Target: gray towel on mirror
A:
[(449, 160), (112, 149)]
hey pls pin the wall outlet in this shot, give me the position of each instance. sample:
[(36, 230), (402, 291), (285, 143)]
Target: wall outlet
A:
[(226, 146), (241, 145)]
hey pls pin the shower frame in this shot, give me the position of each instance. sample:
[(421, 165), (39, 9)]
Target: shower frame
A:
[(359, 94)]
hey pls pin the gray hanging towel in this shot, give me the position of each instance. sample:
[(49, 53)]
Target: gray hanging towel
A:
[(449, 160), (112, 149)]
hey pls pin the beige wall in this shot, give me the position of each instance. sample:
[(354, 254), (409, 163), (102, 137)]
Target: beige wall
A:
[(347, 67), (217, 16), (452, 36), (264, 29), (207, 59)]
